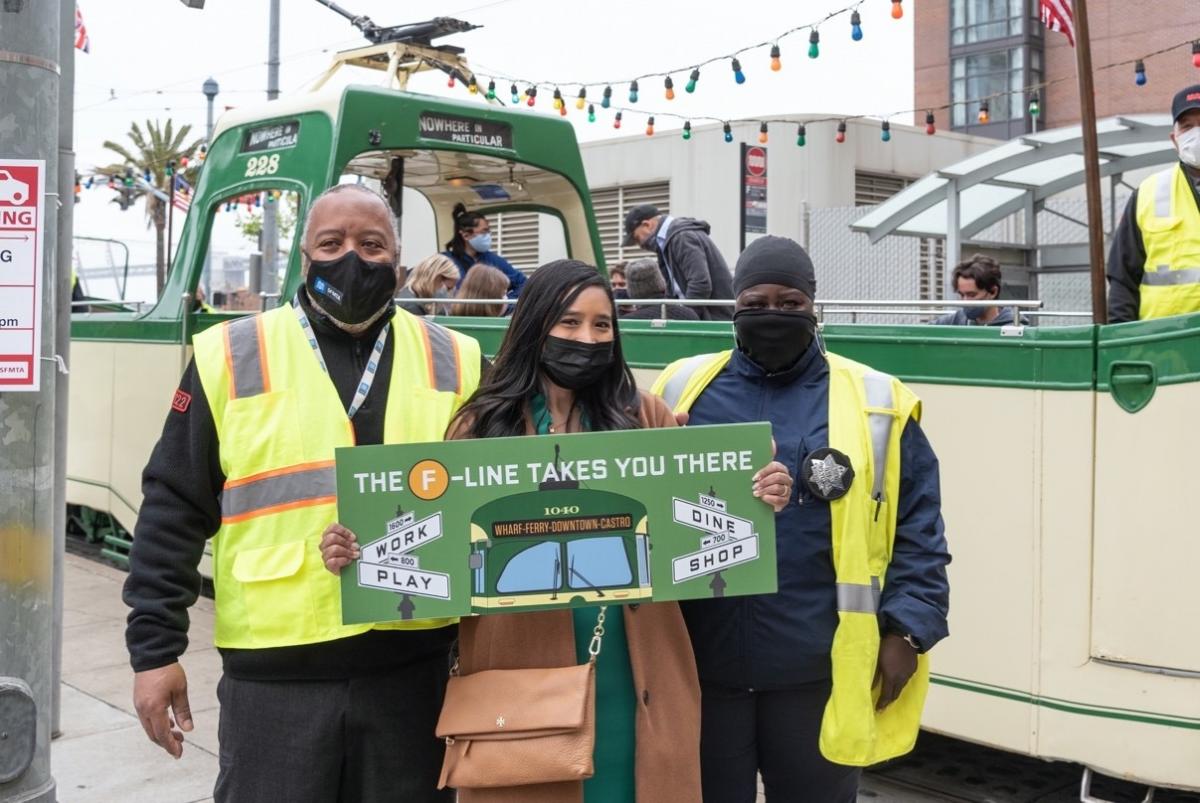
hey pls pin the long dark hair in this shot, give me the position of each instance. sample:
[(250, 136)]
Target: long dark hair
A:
[(463, 220), (497, 408)]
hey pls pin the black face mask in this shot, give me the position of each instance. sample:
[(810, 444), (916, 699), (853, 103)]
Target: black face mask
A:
[(621, 293), (349, 289), (774, 339), (574, 365)]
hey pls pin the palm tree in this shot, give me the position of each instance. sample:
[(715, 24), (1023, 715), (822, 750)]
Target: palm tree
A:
[(153, 150)]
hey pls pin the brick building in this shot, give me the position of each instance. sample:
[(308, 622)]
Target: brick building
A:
[(966, 49)]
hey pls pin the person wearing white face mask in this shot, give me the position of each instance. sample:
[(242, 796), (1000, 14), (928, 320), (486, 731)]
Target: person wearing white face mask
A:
[(1154, 262), (472, 244)]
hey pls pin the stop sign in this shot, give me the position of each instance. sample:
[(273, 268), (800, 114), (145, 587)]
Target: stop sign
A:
[(756, 162)]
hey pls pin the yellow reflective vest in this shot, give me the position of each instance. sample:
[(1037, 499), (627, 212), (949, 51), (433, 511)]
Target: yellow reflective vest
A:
[(1169, 220), (278, 419), (867, 414)]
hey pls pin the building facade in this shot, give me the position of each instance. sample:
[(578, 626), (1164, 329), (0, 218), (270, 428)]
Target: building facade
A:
[(968, 50)]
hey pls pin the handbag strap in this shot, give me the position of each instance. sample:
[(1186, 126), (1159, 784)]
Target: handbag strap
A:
[(593, 647)]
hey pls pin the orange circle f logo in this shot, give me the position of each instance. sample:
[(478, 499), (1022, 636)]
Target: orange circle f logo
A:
[(428, 479)]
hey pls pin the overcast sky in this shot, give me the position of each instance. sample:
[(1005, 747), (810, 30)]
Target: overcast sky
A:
[(149, 59)]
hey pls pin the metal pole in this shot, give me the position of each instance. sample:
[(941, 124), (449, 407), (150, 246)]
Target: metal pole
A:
[(171, 215), (29, 75), (270, 224), (62, 331), (1091, 160), (210, 88)]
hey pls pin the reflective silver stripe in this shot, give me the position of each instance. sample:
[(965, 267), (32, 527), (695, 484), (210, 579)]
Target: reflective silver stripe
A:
[(1164, 185), (444, 358), (1163, 276), (858, 597), (879, 395), (674, 387), (248, 378), (281, 489)]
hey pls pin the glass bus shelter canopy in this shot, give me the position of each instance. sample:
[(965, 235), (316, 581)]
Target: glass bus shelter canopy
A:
[(962, 200)]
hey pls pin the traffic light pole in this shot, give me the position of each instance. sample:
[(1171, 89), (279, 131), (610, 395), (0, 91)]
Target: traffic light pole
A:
[(30, 73)]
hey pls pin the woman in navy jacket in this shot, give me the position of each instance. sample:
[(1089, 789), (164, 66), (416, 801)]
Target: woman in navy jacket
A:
[(472, 243)]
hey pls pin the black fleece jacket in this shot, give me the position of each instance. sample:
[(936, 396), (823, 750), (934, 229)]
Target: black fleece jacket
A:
[(181, 510)]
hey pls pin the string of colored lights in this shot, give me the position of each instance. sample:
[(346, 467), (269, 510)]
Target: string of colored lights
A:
[(1032, 91)]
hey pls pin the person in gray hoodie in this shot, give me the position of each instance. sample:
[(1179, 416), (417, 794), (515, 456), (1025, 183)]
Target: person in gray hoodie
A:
[(690, 261)]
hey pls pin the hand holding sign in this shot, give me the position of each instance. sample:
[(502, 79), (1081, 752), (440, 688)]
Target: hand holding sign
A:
[(338, 547)]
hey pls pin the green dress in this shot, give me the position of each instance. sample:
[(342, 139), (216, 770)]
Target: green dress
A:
[(616, 698)]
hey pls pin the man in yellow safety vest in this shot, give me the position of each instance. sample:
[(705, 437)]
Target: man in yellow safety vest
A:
[(829, 673), (311, 709), (1154, 260)]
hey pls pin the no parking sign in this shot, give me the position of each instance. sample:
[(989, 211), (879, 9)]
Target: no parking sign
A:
[(21, 228)]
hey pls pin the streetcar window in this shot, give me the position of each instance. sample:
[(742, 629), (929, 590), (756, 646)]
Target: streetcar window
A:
[(538, 568), (598, 563), (239, 265)]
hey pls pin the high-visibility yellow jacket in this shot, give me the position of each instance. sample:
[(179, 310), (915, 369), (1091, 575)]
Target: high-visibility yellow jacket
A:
[(1169, 220), (278, 419), (867, 414)]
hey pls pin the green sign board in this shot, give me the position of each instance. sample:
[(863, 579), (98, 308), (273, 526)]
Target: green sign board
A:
[(554, 521)]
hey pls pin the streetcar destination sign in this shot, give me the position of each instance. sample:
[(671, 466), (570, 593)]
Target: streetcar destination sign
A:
[(271, 137), (465, 131)]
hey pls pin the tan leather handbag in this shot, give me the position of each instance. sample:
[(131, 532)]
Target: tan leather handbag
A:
[(516, 727)]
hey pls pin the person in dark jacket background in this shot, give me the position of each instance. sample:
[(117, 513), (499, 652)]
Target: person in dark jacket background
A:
[(472, 244), (691, 263), (644, 280), (765, 663), (978, 279)]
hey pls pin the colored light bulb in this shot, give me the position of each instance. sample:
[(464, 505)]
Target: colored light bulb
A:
[(516, 95), (558, 99), (650, 127), (776, 64), (582, 99), (531, 93), (738, 75), (491, 90), (814, 44), (617, 121), (692, 79), (687, 129), (183, 162), (1035, 105), (147, 175), (930, 127), (885, 131), (728, 130), (801, 136), (897, 10), (606, 101), (473, 86), (450, 83), (1139, 73), (669, 86), (591, 113), (633, 92), (841, 132), (762, 134), (855, 26), (562, 110), (1196, 54), (984, 115)]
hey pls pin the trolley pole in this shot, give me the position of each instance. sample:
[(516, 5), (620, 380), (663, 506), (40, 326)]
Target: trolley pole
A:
[(1091, 160), (270, 221), (29, 72)]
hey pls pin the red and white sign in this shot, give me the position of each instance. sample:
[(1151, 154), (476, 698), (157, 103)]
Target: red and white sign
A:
[(22, 223), (756, 162)]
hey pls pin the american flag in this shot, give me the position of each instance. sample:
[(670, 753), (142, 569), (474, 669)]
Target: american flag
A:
[(1057, 16), (82, 41), (183, 194)]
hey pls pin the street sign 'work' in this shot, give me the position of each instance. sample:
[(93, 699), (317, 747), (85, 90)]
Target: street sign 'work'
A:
[(21, 227), (553, 521)]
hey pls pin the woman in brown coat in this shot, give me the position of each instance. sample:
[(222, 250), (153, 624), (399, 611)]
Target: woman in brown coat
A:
[(560, 370)]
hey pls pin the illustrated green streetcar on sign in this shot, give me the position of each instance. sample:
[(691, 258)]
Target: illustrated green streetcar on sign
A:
[(454, 528)]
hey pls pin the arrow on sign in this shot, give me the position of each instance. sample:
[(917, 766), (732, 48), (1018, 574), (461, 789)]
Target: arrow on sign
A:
[(23, 239)]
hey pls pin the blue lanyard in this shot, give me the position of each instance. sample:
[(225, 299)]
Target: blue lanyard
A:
[(368, 377)]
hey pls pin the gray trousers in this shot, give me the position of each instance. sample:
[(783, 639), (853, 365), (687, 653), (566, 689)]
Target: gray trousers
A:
[(364, 740)]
